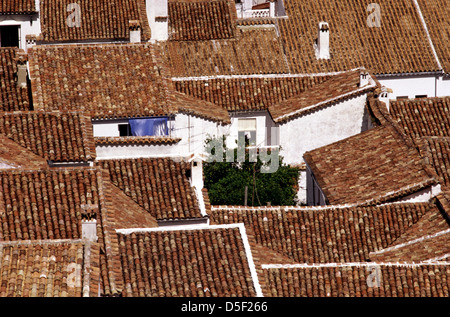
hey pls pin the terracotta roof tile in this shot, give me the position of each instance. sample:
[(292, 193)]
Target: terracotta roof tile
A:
[(436, 152), (422, 117), (426, 240), (49, 269), (395, 280), (56, 136), (194, 263), (332, 90), (400, 45), (135, 140), (127, 80), (12, 155), (436, 15), (328, 234), (201, 19), (159, 185), (48, 202), (250, 93), (12, 97), (252, 51), (201, 108), (375, 166), (17, 7), (99, 20)]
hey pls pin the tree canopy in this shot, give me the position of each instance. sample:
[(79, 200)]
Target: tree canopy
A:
[(227, 181)]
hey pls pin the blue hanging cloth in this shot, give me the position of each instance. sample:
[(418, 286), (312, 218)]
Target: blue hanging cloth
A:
[(149, 126)]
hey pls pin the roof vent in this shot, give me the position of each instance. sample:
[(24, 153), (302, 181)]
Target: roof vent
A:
[(323, 41), (89, 222), (135, 31), (21, 74), (363, 78)]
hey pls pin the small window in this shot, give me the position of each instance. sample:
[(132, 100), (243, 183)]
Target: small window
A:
[(247, 130), (421, 96), (402, 97), (124, 129), (9, 36)]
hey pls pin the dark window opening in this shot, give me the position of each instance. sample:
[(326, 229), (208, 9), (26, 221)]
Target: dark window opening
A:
[(124, 130), (9, 36), (421, 96)]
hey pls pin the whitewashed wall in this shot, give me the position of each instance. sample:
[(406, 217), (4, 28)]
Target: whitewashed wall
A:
[(412, 86), (29, 24), (192, 130), (321, 128)]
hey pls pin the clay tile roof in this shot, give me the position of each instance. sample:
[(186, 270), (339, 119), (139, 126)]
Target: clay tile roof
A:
[(12, 97), (197, 107), (247, 93), (251, 51), (351, 280), (135, 140), (326, 234), (106, 81), (426, 240), (436, 15), (56, 136), (436, 152), (99, 20), (332, 90), (422, 117), (49, 268), (12, 155), (159, 185), (208, 262), (375, 166), (48, 202), (201, 19), (400, 45), (17, 7)]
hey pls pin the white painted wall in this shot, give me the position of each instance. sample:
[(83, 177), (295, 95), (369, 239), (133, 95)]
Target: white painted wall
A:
[(192, 130), (423, 195), (157, 15), (321, 128), (106, 128), (411, 86), (29, 24)]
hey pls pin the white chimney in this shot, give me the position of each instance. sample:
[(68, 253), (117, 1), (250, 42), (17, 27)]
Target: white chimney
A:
[(30, 40), (89, 230), (89, 222), (323, 41), (272, 11), (364, 77), (22, 72), (158, 19), (197, 172), (135, 31), (385, 96)]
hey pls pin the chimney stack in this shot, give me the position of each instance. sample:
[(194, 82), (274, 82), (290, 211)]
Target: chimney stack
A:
[(158, 19), (22, 72), (323, 41), (135, 31), (385, 96), (363, 78), (89, 222), (30, 40), (197, 172)]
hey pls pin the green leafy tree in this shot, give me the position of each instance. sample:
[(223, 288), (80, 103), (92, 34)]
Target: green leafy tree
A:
[(227, 181)]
